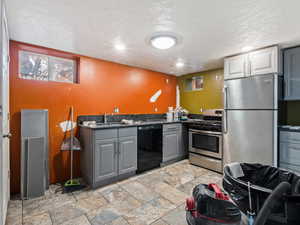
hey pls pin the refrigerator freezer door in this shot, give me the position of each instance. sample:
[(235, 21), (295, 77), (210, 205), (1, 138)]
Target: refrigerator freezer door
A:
[(250, 136), (251, 93)]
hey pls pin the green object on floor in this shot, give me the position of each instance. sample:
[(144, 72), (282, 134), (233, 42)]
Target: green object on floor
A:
[(72, 183)]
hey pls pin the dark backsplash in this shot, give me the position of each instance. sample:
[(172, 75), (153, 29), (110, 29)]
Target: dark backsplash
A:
[(195, 116), (118, 118), (292, 113)]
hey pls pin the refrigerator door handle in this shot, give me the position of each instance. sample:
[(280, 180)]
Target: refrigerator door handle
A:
[(225, 90), (225, 110), (225, 129)]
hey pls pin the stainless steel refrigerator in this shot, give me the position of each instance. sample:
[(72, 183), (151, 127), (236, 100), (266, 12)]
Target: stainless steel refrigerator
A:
[(250, 119)]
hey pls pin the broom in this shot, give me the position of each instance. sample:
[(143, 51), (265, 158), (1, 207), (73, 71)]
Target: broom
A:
[(71, 144)]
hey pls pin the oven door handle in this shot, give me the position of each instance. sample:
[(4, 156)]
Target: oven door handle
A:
[(210, 133)]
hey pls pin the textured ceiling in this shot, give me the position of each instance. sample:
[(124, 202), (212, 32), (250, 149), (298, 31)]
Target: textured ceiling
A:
[(208, 29)]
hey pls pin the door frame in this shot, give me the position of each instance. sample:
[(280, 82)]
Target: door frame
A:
[(4, 204)]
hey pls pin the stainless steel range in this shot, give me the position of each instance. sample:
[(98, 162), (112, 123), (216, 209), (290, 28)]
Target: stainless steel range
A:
[(205, 141)]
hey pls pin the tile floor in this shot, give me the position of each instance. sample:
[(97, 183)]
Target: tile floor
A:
[(156, 198)]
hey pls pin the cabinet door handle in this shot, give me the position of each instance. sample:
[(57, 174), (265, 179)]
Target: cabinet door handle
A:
[(285, 86), (116, 148), (172, 129), (250, 67)]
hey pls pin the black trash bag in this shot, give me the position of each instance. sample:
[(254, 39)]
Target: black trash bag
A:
[(267, 176), (264, 179), (211, 207)]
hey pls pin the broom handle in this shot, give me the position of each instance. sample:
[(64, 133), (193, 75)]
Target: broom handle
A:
[(72, 136)]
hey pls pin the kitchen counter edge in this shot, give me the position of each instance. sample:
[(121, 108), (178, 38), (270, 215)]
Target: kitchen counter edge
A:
[(110, 126)]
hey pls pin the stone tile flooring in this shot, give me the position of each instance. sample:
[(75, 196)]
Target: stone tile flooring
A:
[(156, 198)]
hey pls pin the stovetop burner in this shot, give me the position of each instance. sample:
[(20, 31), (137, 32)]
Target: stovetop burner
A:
[(210, 120)]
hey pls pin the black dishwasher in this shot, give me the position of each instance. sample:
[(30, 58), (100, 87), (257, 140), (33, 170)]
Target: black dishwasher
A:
[(149, 147)]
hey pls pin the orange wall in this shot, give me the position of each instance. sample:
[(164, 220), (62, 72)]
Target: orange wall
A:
[(102, 86)]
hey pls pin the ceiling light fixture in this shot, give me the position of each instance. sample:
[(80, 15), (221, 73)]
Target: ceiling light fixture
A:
[(247, 48), (179, 64), (120, 47), (163, 41)]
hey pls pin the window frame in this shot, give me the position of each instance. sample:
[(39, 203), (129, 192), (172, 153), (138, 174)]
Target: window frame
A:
[(50, 53), (193, 80)]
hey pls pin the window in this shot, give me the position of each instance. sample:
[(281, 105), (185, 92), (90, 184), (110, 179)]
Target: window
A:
[(194, 83), (35, 66)]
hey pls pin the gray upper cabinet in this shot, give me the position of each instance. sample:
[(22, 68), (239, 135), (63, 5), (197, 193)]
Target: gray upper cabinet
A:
[(235, 67), (264, 61), (106, 162), (259, 62), (127, 154), (292, 73)]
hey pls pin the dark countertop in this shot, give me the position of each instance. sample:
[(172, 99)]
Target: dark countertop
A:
[(289, 128), (143, 123)]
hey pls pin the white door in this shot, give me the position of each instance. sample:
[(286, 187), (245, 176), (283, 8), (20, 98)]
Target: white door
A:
[(235, 67), (4, 119), (264, 61)]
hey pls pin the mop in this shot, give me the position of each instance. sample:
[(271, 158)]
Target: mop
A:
[(250, 213), (71, 144)]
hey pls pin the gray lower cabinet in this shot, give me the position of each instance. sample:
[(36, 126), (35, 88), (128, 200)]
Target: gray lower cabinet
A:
[(105, 160), (108, 154), (173, 145), (128, 154), (289, 152), (170, 146)]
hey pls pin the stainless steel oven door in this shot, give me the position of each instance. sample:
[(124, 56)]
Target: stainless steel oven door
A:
[(206, 143)]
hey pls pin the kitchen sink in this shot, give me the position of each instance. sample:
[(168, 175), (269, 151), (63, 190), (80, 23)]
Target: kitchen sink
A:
[(109, 124)]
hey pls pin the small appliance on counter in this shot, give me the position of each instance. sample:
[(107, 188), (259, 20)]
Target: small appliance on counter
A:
[(170, 114), (177, 114), (205, 141)]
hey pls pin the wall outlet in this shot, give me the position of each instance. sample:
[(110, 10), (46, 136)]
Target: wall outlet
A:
[(218, 77), (116, 110), (155, 109)]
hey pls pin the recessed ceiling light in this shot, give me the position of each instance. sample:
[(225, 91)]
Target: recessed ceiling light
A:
[(247, 48), (163, 41), (179, 64), (120, 47)]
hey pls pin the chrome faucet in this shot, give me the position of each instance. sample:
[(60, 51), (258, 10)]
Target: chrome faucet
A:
[(105, 118)]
